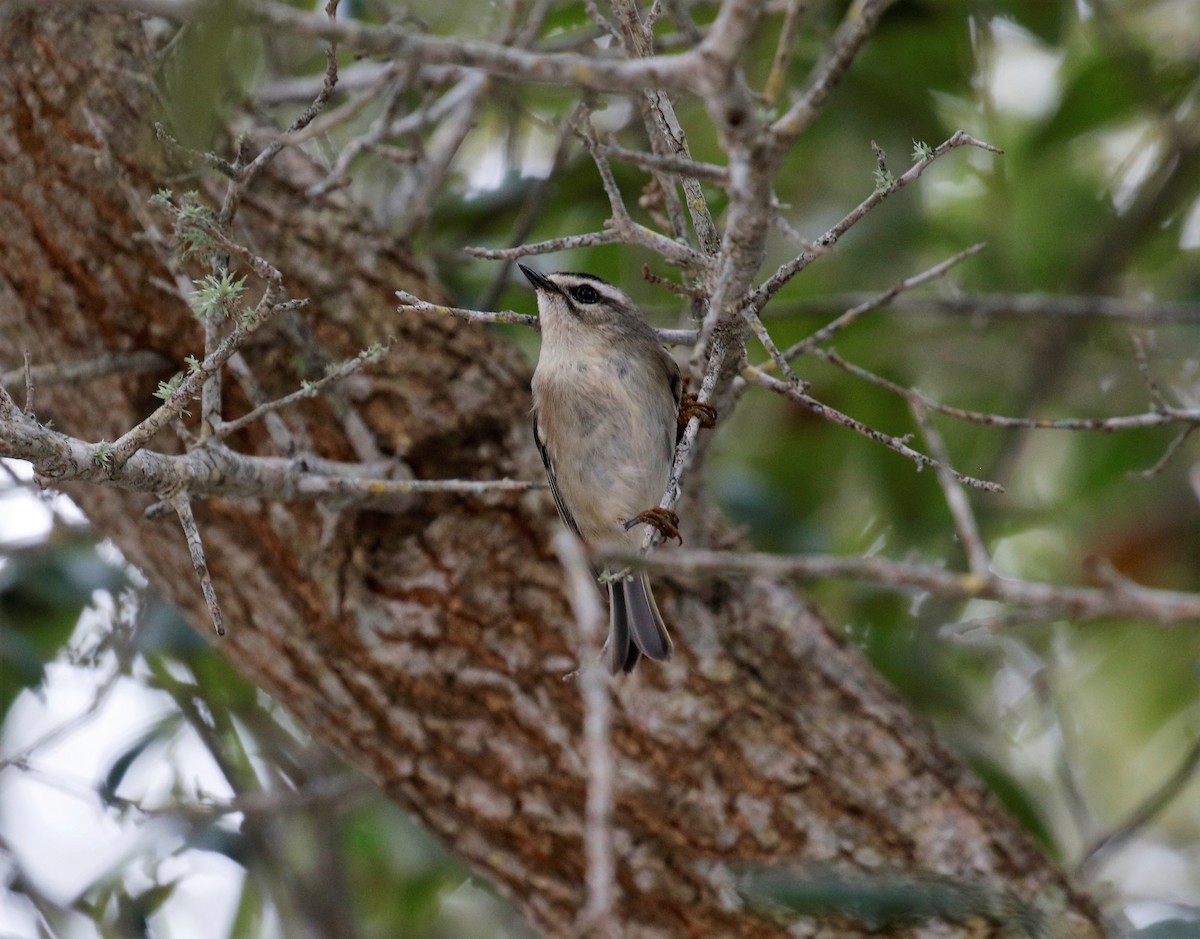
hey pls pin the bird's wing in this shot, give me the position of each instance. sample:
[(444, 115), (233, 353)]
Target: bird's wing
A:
[(674, 386), (563, 511)]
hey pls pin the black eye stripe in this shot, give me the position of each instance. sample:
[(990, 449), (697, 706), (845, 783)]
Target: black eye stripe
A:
[(585, 293)]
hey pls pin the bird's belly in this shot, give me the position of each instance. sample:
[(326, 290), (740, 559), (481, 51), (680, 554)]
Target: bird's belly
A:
[(621, 459)]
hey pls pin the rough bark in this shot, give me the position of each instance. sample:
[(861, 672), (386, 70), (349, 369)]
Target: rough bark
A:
[(428, 644)]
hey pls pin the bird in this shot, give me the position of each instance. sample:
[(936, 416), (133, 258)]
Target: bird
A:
[(606, 416)]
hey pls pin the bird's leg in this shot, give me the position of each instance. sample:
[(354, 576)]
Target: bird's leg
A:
[(666, 521)]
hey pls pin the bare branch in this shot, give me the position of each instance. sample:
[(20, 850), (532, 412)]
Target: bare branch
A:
[(54, 373), (287, 439), (783, 50), (756, 376), (28, 382), (978, 559), (310, 390), (444, 145), (623, 223), (1012, 305), (595, 689), (1143, 367), (179, 502), (670, 337), (1050, 601), (195, 159), (778, 360), (1145, 813), (825, 333), (1162, 461), (218, 471), (137, 437), (409, 302), (381, 78), (249, 172), (591, 239), (793, 267), (668, 163), (860, 21), (598, 73), (1108, 424), (666, 134), (685, 448)]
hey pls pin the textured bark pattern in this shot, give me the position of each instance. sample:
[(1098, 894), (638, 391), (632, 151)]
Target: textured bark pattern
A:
[(429, 645)]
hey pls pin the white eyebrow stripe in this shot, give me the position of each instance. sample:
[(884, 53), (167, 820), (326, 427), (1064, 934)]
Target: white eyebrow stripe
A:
[(606, 290)]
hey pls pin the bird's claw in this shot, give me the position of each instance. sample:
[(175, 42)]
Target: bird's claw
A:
[(664, 521), (690, 406)]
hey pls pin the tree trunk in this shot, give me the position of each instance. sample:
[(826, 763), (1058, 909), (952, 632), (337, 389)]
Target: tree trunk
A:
[(428, 644)]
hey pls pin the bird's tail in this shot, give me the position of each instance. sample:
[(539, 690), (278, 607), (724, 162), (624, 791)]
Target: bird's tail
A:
[(635, 627)]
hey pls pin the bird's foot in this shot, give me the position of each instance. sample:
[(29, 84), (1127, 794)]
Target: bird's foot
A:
[(664, 520), (690, 406)]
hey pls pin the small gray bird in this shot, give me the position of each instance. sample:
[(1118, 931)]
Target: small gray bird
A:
[(606, 397)]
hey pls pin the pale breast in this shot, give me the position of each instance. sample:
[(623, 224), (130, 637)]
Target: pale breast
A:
[(611, 452)]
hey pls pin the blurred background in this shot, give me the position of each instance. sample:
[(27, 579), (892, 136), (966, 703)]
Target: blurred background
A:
[(145, 790)]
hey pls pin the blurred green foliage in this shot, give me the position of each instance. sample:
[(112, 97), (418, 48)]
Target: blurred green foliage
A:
[(323, 852)]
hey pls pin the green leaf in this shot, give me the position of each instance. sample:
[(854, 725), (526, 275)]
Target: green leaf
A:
[(43, 589), (208, 72)]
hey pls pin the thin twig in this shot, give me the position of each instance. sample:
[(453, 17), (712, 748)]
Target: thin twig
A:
[(1162, 461), (790, 269), (1068, 778), (194, 158), (368, 140), (784, 49), (668, 163), (1106, 424), (622, 222), (532, 205), (183, 507), (29, 383), (410, 302), (286, 438), (756, 376), (860, 21), (211, 389), (685, 448), (1143, 367), (1145, 813), (248, 173), (590, 240), (423, 187), (978, 560), (54, 373), (1052, 601), (658, 114), (310, 390), (670, 337), (595, 690), (826, 332), (779, 360), (1021, 305), (137, 437)]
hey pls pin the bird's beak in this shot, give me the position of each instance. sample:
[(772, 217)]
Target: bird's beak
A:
[(539, 280)]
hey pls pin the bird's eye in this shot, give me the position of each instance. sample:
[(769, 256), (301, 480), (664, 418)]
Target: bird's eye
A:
[(585, 293)]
